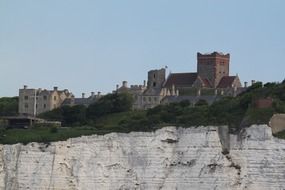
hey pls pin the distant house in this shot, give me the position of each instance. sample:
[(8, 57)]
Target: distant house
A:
[(35, 101), (85, 101)]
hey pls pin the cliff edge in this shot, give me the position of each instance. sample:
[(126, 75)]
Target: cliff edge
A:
[(170, 158)]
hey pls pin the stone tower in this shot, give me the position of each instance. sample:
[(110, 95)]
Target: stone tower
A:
[(213, 67), (156, 78)]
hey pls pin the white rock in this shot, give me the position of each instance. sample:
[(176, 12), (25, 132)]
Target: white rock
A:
[(169, 158)]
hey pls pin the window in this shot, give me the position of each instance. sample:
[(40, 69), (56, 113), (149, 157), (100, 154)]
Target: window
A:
[(26, 106), (149, 99), (155, 99), (154, 84), (45, 105), (45, 97), (54, 97), (154, 76), (26, 97), (144, 99)]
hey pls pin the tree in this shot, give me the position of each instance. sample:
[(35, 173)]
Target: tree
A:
[(8, 106), (111, 103), (201, 102)]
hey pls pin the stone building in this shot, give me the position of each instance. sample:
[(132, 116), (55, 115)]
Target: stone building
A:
[(211, 81), (150, 95), (35, 101), (135, 90), (85, 101)]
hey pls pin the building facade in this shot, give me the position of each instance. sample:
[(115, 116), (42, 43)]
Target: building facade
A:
[(211, 81), (36, 101)]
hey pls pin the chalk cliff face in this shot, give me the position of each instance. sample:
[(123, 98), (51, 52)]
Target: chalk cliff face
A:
[(170, 158)]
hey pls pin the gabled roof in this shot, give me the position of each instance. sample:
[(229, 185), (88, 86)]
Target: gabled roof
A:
[(180, 79), (226, 82), (206, 83)]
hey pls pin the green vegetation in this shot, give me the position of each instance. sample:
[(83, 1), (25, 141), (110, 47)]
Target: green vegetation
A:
[(113, 113), (8, 106)]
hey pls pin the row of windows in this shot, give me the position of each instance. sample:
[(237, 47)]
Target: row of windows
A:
[(44, 97), (27, 106), (150, 99)]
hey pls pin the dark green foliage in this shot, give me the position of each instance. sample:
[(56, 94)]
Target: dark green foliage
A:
[(74, 115), (201, 102), (69, 116), (260, 116), (111, 103), (8, 106), (80, 115), (54, 129)]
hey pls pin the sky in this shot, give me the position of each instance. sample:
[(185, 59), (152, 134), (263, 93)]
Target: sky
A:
[(92, 45)]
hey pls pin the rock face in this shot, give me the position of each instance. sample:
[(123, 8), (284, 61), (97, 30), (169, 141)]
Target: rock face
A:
[(277, 123), (170, 158)]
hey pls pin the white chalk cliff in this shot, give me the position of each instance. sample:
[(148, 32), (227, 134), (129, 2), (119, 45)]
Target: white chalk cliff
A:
[(170, 158)]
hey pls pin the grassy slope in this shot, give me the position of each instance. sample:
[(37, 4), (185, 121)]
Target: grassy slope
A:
[(105, 125)]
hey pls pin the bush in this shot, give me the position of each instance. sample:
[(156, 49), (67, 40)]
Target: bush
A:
[(53, 129), (111, 103)]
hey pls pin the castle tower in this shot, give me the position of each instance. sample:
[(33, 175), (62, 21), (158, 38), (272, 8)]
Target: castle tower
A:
[(213, 67), (156, 78)]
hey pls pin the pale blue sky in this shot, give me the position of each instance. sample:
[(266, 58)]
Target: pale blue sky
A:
[(90, 45)]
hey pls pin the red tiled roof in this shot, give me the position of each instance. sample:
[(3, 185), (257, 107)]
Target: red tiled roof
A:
[(180, 79), (226, 82), (206, 83)]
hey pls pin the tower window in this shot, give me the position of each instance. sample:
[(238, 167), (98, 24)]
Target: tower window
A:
[(154, 84), (154, 76)]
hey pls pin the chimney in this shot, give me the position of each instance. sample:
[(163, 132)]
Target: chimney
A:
[(92, 94), (25, 87), (117, 87), (99, 94), (245, 84), (144, 83), (252, 82), (83, 95), (55, 88), (125, 84)]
